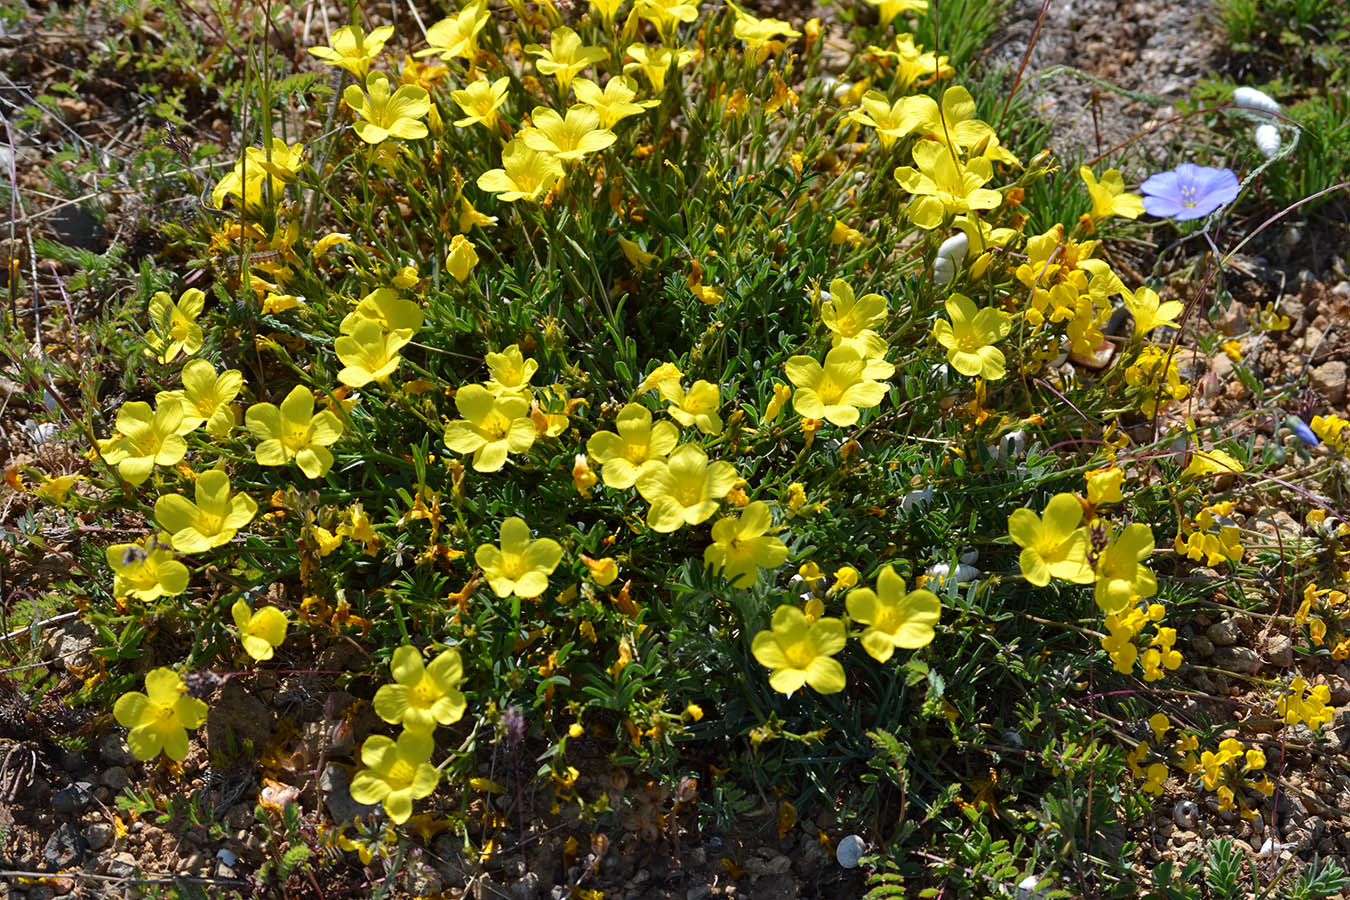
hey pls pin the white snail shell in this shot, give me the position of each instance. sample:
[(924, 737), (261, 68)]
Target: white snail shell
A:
[(1259, 101), (1267, 138)]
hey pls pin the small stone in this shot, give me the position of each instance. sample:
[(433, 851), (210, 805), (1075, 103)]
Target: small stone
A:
[(1280, 650), (1223, 633), (123, 865), (62, 886), (40, 892), (1328, 380), (115, 778), (74, 762), (849, 851), (1202, 646), (72, 799), (112, 749), (1239, 659), (1186, 814), (699, 892), (527, 888), (779, 865), (196, 862), (66, 848), (1316, 827), (99, 835)]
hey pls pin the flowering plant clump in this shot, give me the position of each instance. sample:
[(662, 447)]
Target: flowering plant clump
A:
[(586, 357)]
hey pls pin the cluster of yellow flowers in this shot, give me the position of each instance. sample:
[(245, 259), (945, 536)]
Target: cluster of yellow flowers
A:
[(1326, 612), (1213, 536), (1231, 771), (799, 645), (423, 695)]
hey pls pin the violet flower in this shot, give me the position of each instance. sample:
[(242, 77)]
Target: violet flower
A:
[(1188, 191)]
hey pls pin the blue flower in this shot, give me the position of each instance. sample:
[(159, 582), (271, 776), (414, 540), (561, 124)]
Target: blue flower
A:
[(1305, 433), (1188, 191)]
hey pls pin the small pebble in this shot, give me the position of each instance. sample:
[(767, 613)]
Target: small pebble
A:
[(850, 851), (1186, 814)]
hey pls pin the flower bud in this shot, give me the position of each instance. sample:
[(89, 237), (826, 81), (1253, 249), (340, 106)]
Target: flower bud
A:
[(463, 257), (1258, 101)]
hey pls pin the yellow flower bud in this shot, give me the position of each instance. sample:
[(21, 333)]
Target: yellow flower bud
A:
[(463, 257)]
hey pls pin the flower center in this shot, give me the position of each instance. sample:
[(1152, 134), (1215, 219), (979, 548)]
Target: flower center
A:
[(401, 774), (689, 493), (1188, 196), (424, 694)]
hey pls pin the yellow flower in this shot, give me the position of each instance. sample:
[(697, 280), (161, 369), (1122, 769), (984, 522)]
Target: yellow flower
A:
[(615, 102), (636, 447), (146, 569), (892, 121), (463, 257), (741, 547), (685, 489), (1109, 197), (567, 139), (1160, 655), (174, 325), (519, 565), (294, 431), (666, 15), (396, 774), (912, 63), (607, 9), (387, 309), (854, 321), (836, 391), (633, 251), (603, 571), (798, 652), (369, 354), (280, 161), (422, 695), (897, 618), (511, 373), (55, 490), (667, 371), (160, 718), (781, 393), (1122, 578), (210, 522), (492, 427), (353, 49), (1053, 546), (146, 438), (387, 114), (761, 35), (887, 10), (1103, 485), (479, 101), (260, 632), (697, 408), (457, 36), (943, 186), (1211, 462), (1148, 312), (655, 62), (969, 338), (565, 56), (525, 174), (1303, 705), (953, 125)]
